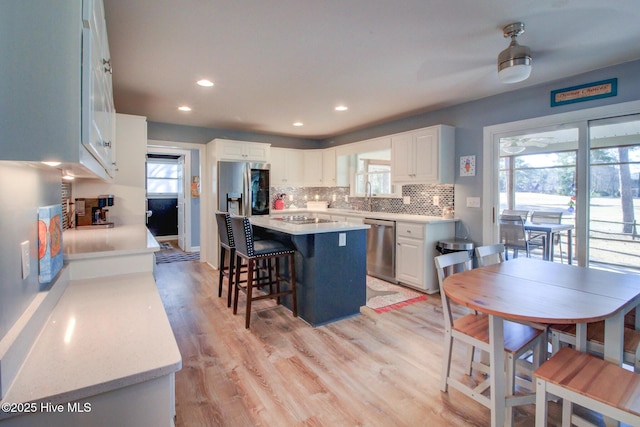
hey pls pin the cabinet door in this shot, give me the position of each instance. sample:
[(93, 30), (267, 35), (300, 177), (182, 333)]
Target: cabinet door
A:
[(313, 168), (231, 150), (402, 158), (427, 155), (329, 167), (410, 259), (98, 109), (256, 152), (286, 167)]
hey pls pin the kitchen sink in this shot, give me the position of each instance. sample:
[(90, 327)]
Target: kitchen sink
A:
[(303, 219)]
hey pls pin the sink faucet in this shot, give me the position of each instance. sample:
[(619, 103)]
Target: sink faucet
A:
[(367, 196)]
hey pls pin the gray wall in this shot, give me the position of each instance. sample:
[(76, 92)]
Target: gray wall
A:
[(199, 135), (24, 188)]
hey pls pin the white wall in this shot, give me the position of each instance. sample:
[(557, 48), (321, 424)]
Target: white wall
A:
[(128, 186)]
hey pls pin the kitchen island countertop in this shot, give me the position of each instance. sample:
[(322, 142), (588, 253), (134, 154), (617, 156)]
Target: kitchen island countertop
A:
[(276, 223)]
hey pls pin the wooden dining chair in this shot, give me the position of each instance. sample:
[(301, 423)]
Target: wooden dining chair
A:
[(562, 335), (513, 235), (546, 217), (490, 254), (473, 329)]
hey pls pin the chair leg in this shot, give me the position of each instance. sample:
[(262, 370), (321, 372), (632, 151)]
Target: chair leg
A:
[(221, 275), (469, 362), (446, 360), (232, 256), (277, 279), (510, 361), (250, 269)]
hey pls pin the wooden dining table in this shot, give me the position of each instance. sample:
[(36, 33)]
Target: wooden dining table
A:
[(532, 290)]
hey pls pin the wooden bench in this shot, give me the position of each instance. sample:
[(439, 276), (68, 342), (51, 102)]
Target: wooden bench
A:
[(590, 382)]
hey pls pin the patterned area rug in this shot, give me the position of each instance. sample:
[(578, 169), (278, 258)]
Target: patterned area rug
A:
[(169, 253), (384, 296)]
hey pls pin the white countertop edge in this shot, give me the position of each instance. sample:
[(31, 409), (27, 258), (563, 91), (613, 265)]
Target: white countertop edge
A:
[(302, 229), (108, 242), (423, 219), (52, 373)]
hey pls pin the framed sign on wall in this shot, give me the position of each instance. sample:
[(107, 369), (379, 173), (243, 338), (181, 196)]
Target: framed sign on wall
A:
[(467, 165)]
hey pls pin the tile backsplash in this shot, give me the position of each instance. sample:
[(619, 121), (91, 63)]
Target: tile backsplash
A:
[(420, 198)]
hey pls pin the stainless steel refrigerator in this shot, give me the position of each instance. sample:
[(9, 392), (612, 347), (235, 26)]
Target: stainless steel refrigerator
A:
[(243, 188)]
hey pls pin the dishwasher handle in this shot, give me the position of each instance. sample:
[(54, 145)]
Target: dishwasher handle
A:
[(382, 222)]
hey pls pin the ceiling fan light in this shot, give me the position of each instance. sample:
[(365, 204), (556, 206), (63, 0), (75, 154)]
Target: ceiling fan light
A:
[(514, 63), (513, 149)]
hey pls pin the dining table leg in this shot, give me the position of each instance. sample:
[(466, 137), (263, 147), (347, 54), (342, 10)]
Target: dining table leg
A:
[(569, 247), (497, 376)]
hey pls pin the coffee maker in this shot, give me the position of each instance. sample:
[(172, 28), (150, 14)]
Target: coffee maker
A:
[(94, 212)]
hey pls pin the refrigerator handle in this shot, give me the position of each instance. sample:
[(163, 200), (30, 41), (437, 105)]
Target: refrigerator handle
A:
[(247, 191)]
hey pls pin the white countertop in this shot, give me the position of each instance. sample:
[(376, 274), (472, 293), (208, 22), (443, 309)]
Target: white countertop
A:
[(105, 242), (300, 229), (424, 219), (97, 340)]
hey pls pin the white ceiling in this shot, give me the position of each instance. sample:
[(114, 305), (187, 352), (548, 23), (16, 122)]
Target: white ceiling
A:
[(275, 62)]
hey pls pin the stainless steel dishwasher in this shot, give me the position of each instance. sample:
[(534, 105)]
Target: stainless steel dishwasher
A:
[(381, 249)]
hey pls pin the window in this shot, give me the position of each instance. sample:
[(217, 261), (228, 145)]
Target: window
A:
[(374, 167), (162, 175)]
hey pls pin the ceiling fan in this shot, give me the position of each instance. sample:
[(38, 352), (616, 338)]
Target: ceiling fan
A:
[(517, 144)]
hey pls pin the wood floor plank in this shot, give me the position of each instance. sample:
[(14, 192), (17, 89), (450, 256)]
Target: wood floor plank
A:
[(368, 370)]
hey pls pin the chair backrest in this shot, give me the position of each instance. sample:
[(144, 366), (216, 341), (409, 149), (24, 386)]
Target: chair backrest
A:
[(512, 233), (224, 229), (242, 235), (453, 259), (520, 212), (487, 253), (547, 217)]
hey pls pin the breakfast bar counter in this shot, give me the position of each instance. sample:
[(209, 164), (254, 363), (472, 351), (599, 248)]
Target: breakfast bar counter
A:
[(330, 266)]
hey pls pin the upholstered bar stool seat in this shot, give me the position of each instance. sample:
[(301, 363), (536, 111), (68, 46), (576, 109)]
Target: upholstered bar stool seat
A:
[(254, 251)]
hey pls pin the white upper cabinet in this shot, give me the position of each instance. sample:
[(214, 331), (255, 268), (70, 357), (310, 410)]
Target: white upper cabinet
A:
[(52, 100), (286, 167), (227, 149), (313, 168), (424, 156), (98, 116), (329, 170)]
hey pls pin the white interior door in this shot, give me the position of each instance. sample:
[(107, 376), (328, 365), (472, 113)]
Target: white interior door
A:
[(181, 205)]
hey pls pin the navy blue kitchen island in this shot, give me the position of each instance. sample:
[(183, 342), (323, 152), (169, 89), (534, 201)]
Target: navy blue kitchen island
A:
[(331, 270)]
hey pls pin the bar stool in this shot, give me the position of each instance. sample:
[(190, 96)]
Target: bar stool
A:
[(226, 244), (260, 250)]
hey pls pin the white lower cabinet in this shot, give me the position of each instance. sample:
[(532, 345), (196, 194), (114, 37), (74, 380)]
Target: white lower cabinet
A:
[(415, 250)]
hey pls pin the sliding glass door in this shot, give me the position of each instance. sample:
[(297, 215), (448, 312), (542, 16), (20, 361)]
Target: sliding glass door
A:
[(614, 190)]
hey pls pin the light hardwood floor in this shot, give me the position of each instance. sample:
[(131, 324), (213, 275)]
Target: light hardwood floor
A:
[(368, 370)]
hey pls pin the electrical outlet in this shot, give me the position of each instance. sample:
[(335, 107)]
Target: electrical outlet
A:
[(346, 199), (436, 200), (342, 239), (406, 200), (26, 263), (333, 198)]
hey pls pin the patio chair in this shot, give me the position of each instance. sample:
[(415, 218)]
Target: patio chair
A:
[(520, 212), (513, 235)]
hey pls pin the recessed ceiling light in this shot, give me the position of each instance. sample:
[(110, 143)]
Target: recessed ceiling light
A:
[(205, 83), (342, 108), (52, 164), (68, 177), (184, 108), (298, 124)]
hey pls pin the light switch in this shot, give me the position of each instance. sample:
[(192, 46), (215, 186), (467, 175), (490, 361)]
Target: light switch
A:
[(473, 202), (342, 239), (24, 254), (436, 200)]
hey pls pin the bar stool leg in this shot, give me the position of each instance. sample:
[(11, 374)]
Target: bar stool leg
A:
[(236, 287), (232, 256), (292, 283), (250, 268), (221, 276)]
